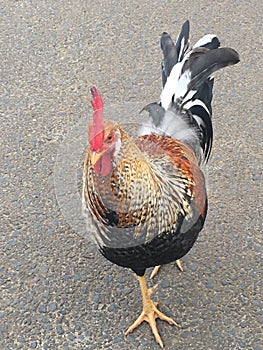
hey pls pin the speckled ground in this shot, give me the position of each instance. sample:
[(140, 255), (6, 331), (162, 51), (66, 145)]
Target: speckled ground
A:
[(57, 292)]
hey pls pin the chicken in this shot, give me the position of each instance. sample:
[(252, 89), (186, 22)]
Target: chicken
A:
[(147, 198)]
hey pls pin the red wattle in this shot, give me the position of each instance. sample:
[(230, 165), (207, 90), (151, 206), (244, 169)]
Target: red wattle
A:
[(103, 165)]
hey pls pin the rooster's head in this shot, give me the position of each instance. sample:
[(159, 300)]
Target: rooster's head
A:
[(104, 137)]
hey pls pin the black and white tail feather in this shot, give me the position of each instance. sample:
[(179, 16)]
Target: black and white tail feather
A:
[(184, 111)]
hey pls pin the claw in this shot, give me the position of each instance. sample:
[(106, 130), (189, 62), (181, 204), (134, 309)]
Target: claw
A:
[(157, 268), (179, 264), (155, 271)]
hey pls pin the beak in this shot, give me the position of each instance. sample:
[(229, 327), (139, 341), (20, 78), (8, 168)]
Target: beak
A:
[(94, 157)]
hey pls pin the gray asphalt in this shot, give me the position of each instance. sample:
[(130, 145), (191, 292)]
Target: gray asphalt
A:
[(57, 292)]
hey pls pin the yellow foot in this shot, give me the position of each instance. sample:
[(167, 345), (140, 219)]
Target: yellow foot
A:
[(157, 268), (150, 316)]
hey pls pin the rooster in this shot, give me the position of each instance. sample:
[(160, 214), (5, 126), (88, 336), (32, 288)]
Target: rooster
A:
[(147, 198)]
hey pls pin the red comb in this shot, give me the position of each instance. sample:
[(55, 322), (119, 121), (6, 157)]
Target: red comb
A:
[(97, 102), (96, 137)]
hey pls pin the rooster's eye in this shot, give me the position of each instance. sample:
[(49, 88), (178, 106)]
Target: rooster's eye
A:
[(109, 138)]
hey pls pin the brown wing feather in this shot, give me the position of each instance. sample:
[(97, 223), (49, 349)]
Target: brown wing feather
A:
[(184, 161)]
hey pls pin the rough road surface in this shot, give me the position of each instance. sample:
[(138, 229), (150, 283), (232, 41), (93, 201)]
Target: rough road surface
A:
[(56, 291)]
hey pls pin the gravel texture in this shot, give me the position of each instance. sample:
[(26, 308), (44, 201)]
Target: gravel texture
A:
[(57, 292)]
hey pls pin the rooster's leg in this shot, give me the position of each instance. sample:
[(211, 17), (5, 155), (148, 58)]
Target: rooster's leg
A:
[(157, 268), (150, 312)]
